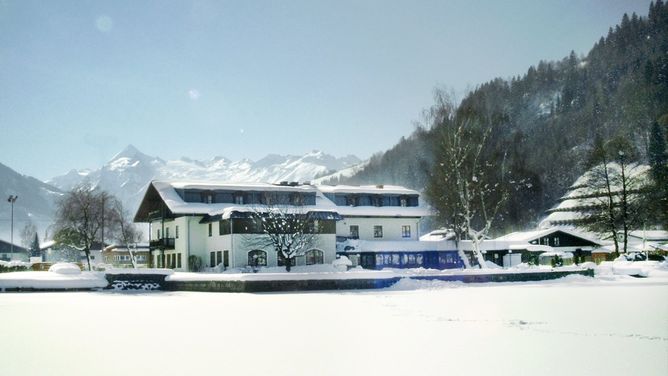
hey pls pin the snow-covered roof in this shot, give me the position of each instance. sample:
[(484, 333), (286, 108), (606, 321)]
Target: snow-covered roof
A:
[(527, 236), (264, 187), (175, 203), (532, 247), (373, 189), (652, 235), (557, 253), (581, 192), (438, 235)]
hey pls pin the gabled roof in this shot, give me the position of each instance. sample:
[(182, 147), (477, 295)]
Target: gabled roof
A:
[(162, 195), (527, 236), (651, 235), (6, 247)]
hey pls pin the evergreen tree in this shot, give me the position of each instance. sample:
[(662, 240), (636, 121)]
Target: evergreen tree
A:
[(34, 247), (658, 161)]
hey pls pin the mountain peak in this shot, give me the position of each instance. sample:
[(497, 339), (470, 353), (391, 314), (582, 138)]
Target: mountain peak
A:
[(129, 151)]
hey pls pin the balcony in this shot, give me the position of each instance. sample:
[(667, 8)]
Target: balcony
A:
[(164, 243)]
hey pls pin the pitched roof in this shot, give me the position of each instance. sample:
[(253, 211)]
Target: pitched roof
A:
[(161, 193), (527, 236)]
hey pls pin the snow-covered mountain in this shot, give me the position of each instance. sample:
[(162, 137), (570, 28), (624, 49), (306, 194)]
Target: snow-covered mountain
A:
[(128, 173), (36, 203)]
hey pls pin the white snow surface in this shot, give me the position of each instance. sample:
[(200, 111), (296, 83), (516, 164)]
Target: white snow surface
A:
[(65, 268), (572, 326), (51, 280)]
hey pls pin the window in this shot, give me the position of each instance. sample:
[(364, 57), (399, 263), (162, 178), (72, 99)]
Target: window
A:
[(209, 199), (219, 257), (556, 241), (212, 259), (314, 256), (226, 258), (351, 201), (178, 260), (377, 231), (176, 232), (354, 231), (167, 232), (158, 234), (239, 199), (210, 229), (419, 259), (257, 258), (403, 202), (406, 231)]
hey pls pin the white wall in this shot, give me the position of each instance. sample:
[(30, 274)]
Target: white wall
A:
[(391, 227)]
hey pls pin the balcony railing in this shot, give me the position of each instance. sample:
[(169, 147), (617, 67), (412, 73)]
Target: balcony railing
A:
[(164, 243)]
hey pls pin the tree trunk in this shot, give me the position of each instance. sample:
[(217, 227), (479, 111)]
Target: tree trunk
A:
[(476, 252), (87, 251), (288, 263)]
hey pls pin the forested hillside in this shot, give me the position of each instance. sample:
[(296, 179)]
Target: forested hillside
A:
[(544, 122)]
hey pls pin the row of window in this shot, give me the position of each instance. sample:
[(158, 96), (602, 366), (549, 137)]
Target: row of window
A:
[(219, 257), (169, 261), (247, 197), (126, 258), (342, 199), (252, 226), (312, 257), (378, 231), (411, 259)]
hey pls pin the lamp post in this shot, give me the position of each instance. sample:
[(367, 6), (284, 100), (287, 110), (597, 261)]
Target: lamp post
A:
[(12, 200)]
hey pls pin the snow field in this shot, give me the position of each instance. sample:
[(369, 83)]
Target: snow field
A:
[(574, 326)]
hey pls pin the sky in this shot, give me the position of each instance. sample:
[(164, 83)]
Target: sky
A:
[(80, 80)]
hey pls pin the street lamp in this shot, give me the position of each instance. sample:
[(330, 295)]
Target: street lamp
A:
[(12, 200)]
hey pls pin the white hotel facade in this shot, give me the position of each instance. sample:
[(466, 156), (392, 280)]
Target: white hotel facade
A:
[(213, 222)]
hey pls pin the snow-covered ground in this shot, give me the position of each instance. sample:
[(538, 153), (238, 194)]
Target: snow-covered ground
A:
[(617, 325)]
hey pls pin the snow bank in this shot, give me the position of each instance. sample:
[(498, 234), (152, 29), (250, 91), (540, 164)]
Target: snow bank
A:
[(407, 284), (14, 264), (342, 263), (65, 268), (52, 280)]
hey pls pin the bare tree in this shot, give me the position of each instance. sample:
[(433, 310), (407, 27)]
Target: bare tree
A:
[(83, 216), (286, 227), (466, 190), (126, 233), (614, 192)]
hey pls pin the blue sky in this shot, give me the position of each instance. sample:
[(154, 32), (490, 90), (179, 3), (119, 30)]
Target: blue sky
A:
[(79, 80)]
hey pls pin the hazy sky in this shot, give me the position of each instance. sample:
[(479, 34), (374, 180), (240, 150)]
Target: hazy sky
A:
[(79, 80)]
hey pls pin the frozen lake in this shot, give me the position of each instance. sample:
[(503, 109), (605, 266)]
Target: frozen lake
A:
[(577, 326)]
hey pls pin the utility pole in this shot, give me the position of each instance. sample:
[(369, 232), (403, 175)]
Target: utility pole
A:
[(12, 200)]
